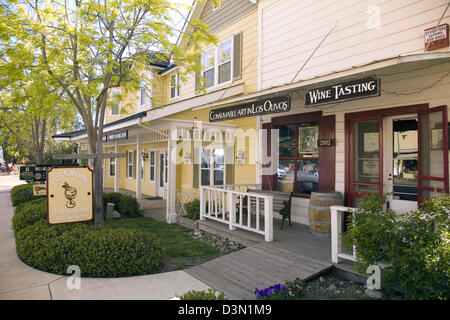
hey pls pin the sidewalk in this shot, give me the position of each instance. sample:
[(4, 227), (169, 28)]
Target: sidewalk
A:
[(19, 281)]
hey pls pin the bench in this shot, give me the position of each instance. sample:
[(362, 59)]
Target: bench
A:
[(281, 203)]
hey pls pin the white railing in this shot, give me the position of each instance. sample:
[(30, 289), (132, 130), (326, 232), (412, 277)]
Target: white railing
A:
[(337, 221), (237, 208), (241, 187)]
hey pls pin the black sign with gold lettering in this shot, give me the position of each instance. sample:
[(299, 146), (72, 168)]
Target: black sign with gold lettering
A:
[(356, 89), (258, 108)]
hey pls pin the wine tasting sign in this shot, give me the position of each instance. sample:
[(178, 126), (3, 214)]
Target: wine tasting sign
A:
[(69, 195), (251, 109), (356, 89)]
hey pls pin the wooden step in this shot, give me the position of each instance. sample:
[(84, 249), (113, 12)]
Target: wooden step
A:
[(346, 270)]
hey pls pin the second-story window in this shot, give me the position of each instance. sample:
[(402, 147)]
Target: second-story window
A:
[(217, 64), (115, 108), (175, 86), (145, 92)]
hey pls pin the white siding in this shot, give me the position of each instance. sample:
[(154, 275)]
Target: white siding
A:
[(304, 25)]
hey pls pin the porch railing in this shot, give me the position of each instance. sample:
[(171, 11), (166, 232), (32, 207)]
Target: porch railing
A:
[(337, 222), (244, 210), (240, 187)]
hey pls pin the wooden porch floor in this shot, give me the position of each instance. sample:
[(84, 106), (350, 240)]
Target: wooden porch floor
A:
[(295, 253)]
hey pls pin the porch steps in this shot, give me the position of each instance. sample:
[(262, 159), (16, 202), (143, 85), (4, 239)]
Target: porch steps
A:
[(240, 236), (295, 253)]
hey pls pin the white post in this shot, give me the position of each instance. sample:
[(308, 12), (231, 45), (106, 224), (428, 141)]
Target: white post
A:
[(202, 203), (138, 172), (268, 218), (171, 214), (231, 210), (335, 226), (117, 168)]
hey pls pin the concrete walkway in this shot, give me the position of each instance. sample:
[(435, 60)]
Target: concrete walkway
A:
[(19, 281)]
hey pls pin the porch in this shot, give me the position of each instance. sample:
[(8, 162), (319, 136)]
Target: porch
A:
[(294, 253)]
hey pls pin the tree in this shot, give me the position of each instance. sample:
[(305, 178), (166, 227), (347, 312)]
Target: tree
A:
[(85, 48)]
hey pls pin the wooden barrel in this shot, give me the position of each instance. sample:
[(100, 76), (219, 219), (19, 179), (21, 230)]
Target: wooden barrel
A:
[(319, 213)]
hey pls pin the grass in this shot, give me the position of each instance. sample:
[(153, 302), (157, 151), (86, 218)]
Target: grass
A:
[(176, 240)]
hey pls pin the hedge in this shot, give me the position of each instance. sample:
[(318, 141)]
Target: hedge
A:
[(28, 213), (102, 253), (23, 193), (126, 205)]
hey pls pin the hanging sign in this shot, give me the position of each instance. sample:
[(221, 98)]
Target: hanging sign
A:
[(252, 109), (69, 195), (26, 173), (356, 89), (436, 38), (117, 136)]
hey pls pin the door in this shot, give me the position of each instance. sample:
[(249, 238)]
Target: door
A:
[(161, 175), (366, 165), (401, 151), (433, 152)]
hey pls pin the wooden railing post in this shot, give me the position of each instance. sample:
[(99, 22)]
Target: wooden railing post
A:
[(202, 203), (335, 222), (231, 210), (268, 218)]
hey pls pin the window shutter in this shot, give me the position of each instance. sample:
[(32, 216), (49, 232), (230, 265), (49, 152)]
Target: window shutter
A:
[(126, 165), (134, 164), (196, 168), (237, 56)]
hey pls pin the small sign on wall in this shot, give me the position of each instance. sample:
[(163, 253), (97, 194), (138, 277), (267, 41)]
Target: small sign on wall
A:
[(437, 37), (69, 195)]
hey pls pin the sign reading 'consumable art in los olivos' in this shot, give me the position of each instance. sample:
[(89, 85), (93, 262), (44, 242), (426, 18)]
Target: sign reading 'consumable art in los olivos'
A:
[(356, 89), (69, 195), (251, 109)]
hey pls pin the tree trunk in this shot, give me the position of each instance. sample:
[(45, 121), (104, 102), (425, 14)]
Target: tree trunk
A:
[(98, 184)]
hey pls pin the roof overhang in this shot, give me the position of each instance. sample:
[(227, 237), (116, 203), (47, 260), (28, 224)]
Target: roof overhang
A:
[(338, 74)]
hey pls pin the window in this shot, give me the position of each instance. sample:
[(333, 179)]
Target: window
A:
[(217, 65), (112, 167), (175, 86), (166, 165), (115, 98), (212, 167), (130, 164), (152, 165), (145, 92), (298, 167), (115, 109)]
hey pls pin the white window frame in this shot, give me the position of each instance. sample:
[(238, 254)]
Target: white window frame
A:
[(214, 8), (130, 157), (146, 88), (211, 169), (216, 64), (119, 104), (150, 165), (176, 87), (112, 162)]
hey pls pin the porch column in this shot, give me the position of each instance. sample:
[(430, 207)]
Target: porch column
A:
[(138, 172), (117, 168), (171, 215)]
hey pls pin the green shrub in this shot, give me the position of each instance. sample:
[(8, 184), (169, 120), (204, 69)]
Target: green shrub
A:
[(102, 253), (193, 209), (23, 193), (126, 205), (210, 294), (415, 246), (29, 213)]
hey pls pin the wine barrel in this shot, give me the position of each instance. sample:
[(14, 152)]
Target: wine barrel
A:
[(319, 213)]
